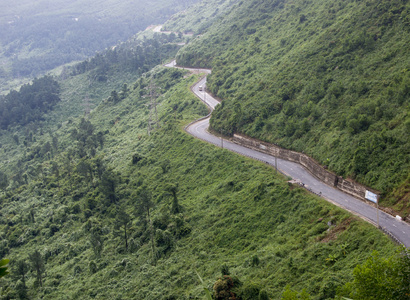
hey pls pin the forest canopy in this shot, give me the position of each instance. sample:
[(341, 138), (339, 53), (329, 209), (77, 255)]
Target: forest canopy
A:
[(30, 103)]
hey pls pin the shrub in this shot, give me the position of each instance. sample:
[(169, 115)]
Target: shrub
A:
[(223, 288), (255, 261), (77, 270), (263, 295), (92, 266), (250, 292), (224, 270)]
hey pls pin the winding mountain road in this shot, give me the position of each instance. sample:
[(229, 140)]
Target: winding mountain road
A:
[(398, 229)]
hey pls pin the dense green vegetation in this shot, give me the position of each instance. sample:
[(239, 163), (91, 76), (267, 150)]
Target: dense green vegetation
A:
[(330, 78), (137, 55), (198, 18), (83, 87), (109, 211), (30, 103), (380, 278), (105, 196), (38, 37)]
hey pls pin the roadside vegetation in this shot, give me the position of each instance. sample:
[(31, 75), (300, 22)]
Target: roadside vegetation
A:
[(329, 78), (110, 211), (103, 195)]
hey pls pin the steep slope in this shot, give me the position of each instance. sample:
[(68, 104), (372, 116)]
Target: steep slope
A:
[(83, 87), (123, 204), (198, 18), (209, 210), (329, 78)]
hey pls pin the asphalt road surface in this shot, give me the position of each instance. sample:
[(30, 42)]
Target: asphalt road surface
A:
[(399, 229)]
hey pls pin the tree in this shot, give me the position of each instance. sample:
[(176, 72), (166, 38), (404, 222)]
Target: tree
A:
[(4, 181), (21, 270), (114, 97), (55, 169), (46, 148), (96, 240), (37, 263), (31, 215), (173, 189), (123, 220), (108, 185), (83, 168), (381, 278), (21, 289), (289, 294), (100, 139), (67, 159), (85, 130), (223, 288), (144, 205), (55, 142), (124, 91)]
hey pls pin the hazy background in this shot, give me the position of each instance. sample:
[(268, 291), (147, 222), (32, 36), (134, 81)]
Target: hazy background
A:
[(38, 36)]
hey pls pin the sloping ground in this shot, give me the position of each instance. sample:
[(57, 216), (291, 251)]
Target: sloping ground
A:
[(330, 78), (233, 212), (314, 178)]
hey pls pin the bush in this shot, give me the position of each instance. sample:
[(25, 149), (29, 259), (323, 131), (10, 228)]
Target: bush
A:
[(263, 295), (92, 266), (255, 261), (224, 270), (223, 288), (77, 270), (250, 291)]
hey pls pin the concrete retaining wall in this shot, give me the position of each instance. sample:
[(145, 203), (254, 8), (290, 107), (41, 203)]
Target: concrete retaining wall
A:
[(348, 186)]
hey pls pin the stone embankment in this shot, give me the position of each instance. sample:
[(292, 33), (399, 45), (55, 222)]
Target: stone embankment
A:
[(348, 186)]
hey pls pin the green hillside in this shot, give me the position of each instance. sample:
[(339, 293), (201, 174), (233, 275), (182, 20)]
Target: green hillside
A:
[(103, 195), (198, 18), (82, 87), (209, 210), (330, 78)]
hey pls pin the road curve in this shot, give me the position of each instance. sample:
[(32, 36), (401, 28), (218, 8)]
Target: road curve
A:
[(398, 229)]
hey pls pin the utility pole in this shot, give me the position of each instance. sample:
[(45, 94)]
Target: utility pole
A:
[(152, 105), (87, 105), (149, 123), (378, 223), (154, 95)]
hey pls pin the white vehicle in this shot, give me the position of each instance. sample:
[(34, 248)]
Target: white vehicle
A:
[(201, 88)]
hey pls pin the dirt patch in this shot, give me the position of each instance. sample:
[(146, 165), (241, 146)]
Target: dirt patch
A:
[(334, 232)]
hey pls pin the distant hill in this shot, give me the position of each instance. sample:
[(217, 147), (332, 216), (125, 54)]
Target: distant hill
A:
[(36, 37), (330, 78), (104, 196)]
